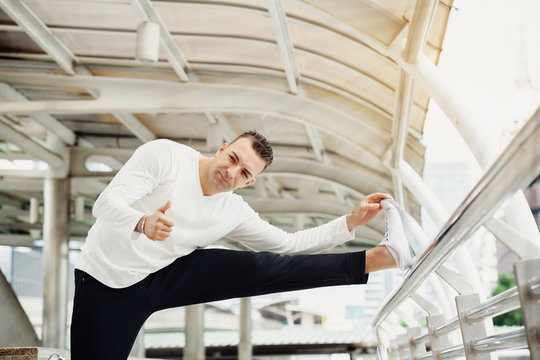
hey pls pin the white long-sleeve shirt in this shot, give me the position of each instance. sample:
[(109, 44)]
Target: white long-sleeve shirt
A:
[(161, 170)]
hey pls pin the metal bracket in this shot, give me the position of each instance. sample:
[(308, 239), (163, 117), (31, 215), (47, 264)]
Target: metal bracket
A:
[(453, 279), (528, 284), (382, 354), (437, 343), (416, 349), (470, 331), (425, 304), (403, 346)]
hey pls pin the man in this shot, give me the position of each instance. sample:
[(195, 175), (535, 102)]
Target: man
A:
[(167, 202)]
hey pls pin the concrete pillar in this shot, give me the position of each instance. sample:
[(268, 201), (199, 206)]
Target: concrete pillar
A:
[(55, 262), (79, 208), (245, 348), (194, 330), (298, 222)]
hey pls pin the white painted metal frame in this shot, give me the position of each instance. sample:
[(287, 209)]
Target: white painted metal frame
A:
[(49, 122), (516, 167), (39, 32), (286, 48), (416, 37), (28, 144), (35, 28), (153, 96)]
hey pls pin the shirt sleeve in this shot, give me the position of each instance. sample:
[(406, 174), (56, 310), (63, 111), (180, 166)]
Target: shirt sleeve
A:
[(139, 176), (259, 235)]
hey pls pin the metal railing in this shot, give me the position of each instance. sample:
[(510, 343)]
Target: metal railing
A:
[(515, 339), (498, 304), (517, 166)]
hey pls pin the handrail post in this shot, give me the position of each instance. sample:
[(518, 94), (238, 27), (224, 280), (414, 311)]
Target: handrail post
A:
[(437, 343), (382, 354), (470, 331), (415, 349), (403, 347), (527, 273)]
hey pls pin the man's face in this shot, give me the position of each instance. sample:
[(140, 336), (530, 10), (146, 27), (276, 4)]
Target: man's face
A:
[(235, 166)]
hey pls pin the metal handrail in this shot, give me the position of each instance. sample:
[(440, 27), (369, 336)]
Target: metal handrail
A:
[(452, 352), (514, 169), (510, 340), (515, 339), (420, 339), (426, 355), (534, 289), (496, 305), (499, 304)]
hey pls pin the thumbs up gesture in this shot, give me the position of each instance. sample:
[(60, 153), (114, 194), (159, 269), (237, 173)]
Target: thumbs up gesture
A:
[(158, 226)]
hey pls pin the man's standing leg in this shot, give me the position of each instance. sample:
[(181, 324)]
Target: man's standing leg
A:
[(106, 321)]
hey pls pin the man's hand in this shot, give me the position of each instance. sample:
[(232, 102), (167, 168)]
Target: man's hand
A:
[(158, 226), (366, 210)]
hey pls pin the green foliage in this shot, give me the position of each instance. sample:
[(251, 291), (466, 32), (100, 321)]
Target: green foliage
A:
[(514, 317), (403, 324)]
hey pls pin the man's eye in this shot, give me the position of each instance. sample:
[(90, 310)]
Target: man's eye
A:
[(232, 158)]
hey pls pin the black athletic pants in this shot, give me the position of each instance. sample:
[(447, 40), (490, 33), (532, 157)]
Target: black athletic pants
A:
[(106, 321)]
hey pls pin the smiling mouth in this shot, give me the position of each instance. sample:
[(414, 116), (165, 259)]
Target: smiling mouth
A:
[(223, 178)]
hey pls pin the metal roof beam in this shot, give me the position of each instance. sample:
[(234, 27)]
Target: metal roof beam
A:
[(316, 142), (49, 122), (226, 129), (417, 35), (276, 189), (44, 37), (174, 55), (247, 71), (424, 12), (37, 30), (28, 144), (135, 126), (400, 125), (400, 130), (128, 120), (148, 96), (318, 147), (285, 45)]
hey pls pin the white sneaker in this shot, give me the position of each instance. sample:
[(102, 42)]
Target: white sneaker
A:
[(395, 236)]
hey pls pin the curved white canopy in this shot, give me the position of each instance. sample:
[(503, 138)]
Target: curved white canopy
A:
[(320, 79)]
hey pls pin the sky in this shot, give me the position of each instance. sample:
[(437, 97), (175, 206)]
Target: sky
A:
[(483, 52)]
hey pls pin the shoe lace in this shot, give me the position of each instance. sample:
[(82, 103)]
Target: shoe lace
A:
[(386, 231)]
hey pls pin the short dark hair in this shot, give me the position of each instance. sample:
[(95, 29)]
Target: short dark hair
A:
[(261, 146)]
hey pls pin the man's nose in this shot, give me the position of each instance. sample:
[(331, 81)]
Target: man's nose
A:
[(232, 171)]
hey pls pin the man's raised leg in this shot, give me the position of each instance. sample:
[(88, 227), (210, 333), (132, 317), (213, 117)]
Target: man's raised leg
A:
[(216, 274)]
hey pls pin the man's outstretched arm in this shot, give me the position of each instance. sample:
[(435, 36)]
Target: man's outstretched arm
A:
[(257, 234)]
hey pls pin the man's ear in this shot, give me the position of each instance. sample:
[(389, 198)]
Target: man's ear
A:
[(222, 148)]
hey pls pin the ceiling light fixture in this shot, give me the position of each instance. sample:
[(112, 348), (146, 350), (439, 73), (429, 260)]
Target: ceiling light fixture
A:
[(147, 42)]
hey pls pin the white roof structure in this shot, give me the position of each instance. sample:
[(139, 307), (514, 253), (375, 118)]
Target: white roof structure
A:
[(324, 81)]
